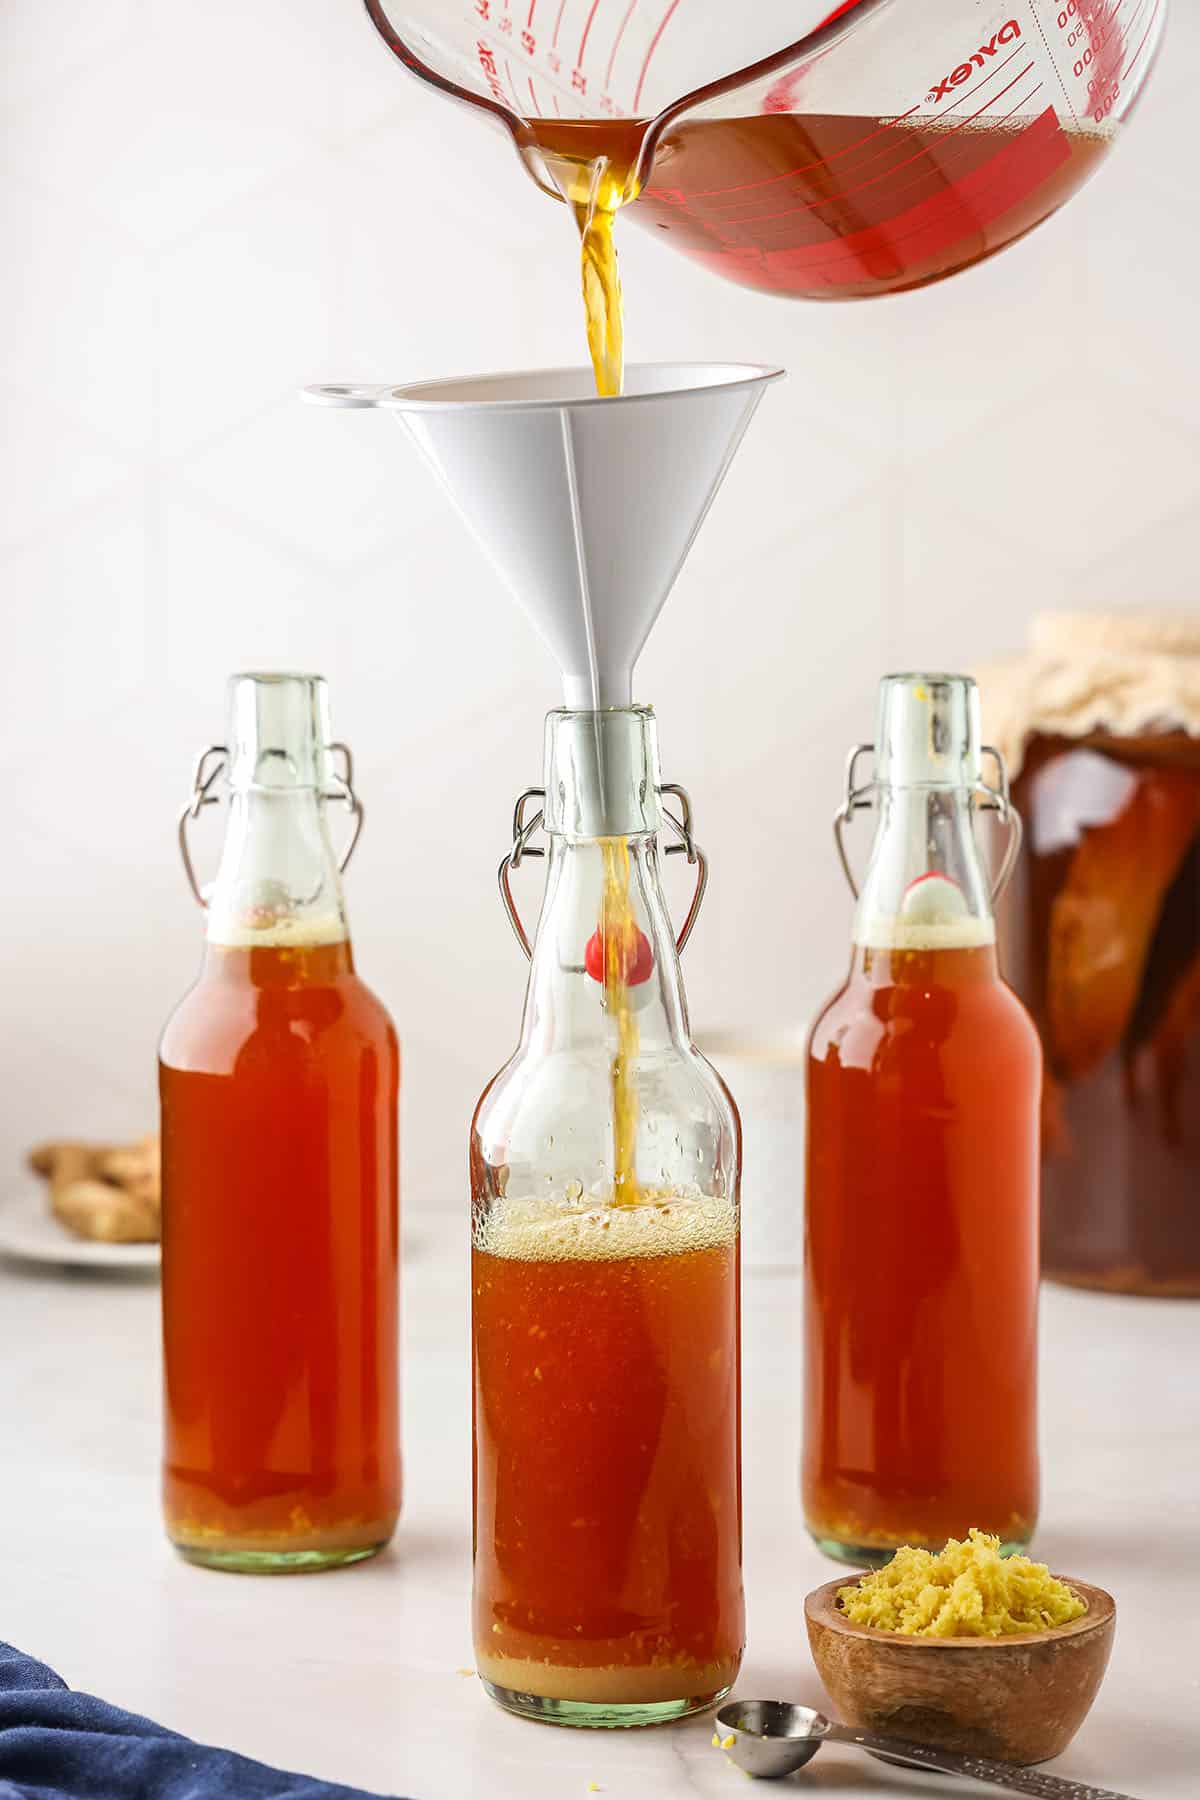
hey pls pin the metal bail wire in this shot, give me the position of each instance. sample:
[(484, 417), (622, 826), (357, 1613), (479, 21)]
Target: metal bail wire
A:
[(523, 830), (996, 799), (521, 848), (211, 765)]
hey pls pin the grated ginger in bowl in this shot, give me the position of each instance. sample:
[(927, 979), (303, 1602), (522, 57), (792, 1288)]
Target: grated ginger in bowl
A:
[(967, 1590)]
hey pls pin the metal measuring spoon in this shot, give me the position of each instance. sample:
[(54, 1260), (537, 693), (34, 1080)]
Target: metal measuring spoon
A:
[(771, 1738)]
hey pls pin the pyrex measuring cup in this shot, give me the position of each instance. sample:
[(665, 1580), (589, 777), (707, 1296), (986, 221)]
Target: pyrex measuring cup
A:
[(813, 153)]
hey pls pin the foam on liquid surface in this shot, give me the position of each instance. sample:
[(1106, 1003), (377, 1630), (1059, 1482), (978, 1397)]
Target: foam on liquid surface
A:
[(560, 1230), (944, 934), (299, 931), (933, 915)]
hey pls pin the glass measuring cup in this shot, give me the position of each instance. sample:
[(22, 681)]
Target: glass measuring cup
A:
[(814, 153)]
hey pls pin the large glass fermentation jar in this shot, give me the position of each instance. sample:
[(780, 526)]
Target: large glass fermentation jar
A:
[(605, 1164), (1103, 721)]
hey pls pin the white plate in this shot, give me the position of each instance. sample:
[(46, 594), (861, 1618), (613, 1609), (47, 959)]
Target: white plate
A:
[(29, 1230)]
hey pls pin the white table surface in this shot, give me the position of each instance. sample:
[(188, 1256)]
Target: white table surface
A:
[(358, 1675)]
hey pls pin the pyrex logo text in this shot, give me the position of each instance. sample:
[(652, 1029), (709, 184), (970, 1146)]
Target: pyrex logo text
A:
[(1008, 34)]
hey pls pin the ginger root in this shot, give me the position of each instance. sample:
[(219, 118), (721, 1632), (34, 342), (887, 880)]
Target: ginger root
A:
[(109, 1193)]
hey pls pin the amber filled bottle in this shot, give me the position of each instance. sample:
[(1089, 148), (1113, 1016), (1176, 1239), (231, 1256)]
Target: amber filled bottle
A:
[(921, 1239), (605, 1164), (279, 1076)]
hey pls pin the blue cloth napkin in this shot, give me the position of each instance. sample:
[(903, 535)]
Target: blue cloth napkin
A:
[(56, 1744)]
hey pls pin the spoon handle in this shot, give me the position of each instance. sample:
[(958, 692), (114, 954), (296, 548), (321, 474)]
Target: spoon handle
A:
[(977, 1768)]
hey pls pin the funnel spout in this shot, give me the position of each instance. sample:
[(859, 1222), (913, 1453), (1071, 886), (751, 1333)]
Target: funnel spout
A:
[(605, 695)]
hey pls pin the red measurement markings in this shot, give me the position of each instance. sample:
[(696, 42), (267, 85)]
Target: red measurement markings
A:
[(937, 224), (1146, 39), (892, 169), (1105, 61), (801, 168), (883, 131), (1089, 33), (629, 12), (944, 175), (562, 7), (655, 41), (587, 31)]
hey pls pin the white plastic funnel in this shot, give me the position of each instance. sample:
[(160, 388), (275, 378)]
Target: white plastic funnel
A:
[(586, 507)]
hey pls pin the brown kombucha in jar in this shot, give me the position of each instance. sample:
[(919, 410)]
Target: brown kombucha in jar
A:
[(1103, 721)]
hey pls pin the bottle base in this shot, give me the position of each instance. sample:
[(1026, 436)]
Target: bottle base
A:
[(877, 1556), (278, 1562), (600, 1715)]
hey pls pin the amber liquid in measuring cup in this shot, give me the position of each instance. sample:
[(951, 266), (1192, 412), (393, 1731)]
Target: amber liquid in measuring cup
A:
[(278, 1078), (809, 205)]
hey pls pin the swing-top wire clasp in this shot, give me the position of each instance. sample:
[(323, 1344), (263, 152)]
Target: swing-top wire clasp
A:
[(997, 798), (524, 829), (212, 763)]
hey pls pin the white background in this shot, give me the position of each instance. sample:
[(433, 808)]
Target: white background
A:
[(203, 209)]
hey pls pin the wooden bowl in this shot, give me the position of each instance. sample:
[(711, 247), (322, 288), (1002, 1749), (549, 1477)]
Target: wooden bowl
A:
[(1018, 1699)]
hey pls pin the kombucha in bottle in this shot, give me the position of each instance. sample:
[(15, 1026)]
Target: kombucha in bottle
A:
[(279, 1076), (605, 1163), (921, 1236)]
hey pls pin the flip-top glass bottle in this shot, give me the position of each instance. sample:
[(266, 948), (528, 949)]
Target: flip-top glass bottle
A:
[(605, 1163), (921, 1254), (279, 1078)]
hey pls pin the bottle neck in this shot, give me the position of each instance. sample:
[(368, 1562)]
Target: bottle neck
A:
[(926, 887), (567, 1007), (278, 885)]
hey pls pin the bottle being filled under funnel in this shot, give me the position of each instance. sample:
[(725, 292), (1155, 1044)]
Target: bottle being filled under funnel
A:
[(606, 1155), (605, 1168)]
